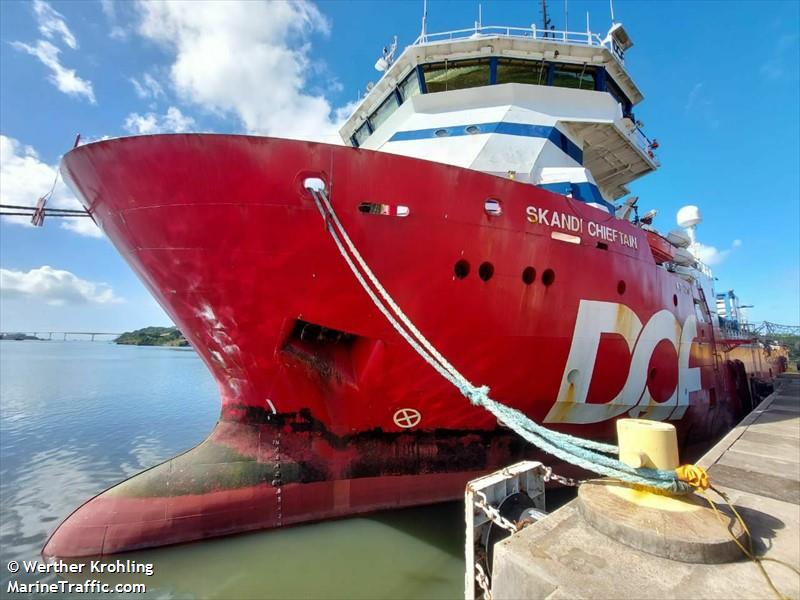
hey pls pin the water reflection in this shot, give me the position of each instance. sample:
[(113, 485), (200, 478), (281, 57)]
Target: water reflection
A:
[(77, 417), (411, 553)]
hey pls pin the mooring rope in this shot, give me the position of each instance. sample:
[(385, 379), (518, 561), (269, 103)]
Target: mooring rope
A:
[(587, 454)]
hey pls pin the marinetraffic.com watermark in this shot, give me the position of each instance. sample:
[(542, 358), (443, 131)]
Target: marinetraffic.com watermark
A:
[(75, 572)]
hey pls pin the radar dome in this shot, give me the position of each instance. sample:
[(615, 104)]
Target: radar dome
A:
[(689, 216)]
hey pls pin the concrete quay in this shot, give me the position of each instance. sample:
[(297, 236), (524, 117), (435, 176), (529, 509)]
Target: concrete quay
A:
[(757, 465)]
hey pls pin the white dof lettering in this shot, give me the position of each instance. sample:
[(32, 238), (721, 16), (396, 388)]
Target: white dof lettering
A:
[(594, 319)]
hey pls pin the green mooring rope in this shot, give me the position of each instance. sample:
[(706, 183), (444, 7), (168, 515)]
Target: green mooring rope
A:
[(586, 454)]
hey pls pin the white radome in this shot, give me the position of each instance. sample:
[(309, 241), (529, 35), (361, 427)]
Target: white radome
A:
[(689, 216)]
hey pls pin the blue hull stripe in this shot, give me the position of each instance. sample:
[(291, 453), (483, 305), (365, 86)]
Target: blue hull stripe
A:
[(503, 127)]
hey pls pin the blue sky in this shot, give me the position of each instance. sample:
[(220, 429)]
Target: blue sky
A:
[(720, 81)]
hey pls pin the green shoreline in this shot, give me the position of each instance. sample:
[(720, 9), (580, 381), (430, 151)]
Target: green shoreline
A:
[(153, 336)]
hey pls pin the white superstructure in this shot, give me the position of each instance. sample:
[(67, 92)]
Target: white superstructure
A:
[(549, 108)]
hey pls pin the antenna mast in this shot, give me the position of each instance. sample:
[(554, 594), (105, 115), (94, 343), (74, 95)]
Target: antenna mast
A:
[(611, 5), (545, 19), (424, 19)]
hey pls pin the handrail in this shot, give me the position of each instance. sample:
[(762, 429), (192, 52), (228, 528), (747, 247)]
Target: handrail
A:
[(583, 38), (643, 143), (703, 268)]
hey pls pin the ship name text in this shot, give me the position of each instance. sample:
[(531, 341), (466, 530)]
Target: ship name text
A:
[(576, 224)]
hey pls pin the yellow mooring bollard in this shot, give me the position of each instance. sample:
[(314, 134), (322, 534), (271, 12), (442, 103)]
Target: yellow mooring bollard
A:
[(681, 528), (650, 444), (653, 445)]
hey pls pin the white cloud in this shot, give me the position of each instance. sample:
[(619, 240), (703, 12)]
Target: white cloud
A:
[(174, 121), (148, 87), (66, 80), (51, 23), (693, 96), (711, 255), (109, 10), (24, 178), (117, 31), (781, 62), (246, 59), (54, 286)]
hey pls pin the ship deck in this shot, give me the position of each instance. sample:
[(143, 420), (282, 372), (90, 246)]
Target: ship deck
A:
[(757, 465)]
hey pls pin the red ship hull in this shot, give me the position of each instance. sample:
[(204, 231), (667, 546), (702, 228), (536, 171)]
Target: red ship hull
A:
[(326, 411)]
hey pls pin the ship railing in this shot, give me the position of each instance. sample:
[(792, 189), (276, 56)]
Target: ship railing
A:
[(703, 268), (582, 38), (642, 142), (736, 331)]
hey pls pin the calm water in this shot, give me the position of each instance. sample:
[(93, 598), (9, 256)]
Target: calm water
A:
[(77, 417)]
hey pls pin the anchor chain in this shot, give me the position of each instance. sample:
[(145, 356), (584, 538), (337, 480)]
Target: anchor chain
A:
[(568, 481), (277, 482), (494, 515), (483, 582)]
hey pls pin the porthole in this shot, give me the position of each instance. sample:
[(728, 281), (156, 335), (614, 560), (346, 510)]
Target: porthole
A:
[(472, 129), (674, 300), (621, 287), (493, 207), (441, 133), (548, 277), (461, 269), (528, 275), (485, 271)]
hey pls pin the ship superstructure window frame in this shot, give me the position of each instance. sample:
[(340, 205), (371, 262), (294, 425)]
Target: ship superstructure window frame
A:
[(361, 134), (449, 75), (410, 87), (423, 79), (574, 76), (513, 70), (612, 88), (385, 110)]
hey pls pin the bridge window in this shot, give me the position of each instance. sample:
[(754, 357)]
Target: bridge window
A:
[(522, 71), (574, 76), (410, 86), (384, 111), (361, 134), (613, 89), (449, 75)]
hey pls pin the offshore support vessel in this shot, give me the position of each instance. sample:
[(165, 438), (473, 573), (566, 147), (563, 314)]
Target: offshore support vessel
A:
[(478, 179)]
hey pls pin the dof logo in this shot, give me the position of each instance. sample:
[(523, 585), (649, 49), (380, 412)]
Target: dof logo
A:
[(596, 318)]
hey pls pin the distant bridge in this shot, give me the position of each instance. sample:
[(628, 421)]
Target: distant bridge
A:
[(91, 334), (775, 329)]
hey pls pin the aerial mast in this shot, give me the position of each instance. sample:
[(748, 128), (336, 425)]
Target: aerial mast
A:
[(545, 19), (424, 19)]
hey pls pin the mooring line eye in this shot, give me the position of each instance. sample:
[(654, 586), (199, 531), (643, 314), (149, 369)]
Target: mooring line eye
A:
[(314, 184)]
